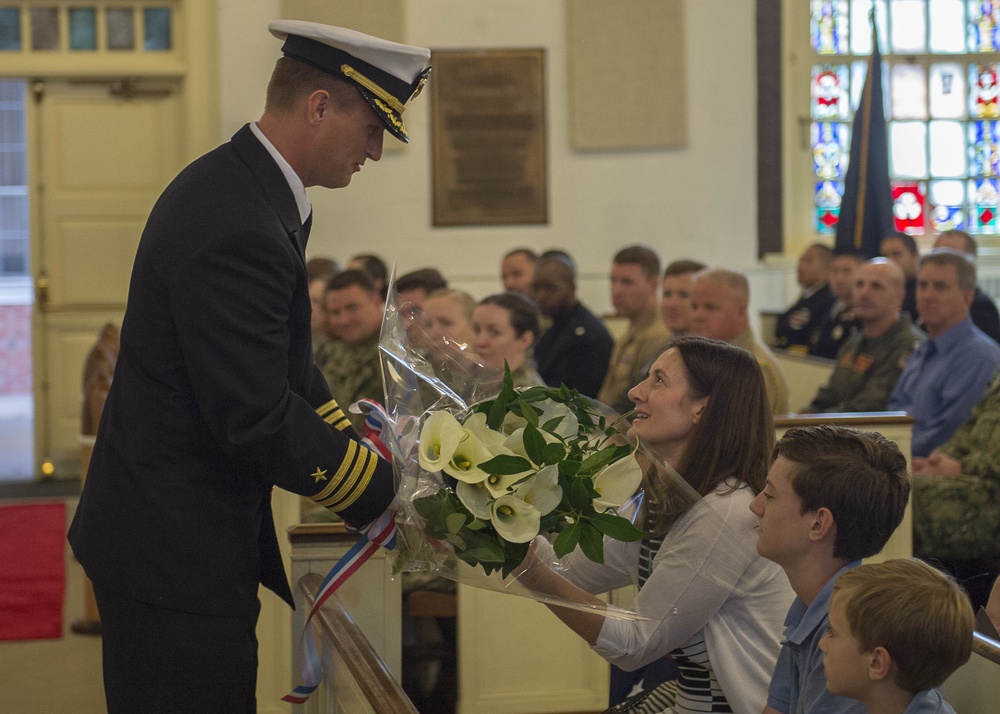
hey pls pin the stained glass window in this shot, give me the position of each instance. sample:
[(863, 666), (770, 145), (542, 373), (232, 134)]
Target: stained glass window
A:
[(941, 84)]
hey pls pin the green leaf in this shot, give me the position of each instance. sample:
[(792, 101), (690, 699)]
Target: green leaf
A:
[(615, 527), (525, 410), (566, 541), (591, 542), (552, 424), (505, 465), (595, 462), (454, 522), (569, 468), (435, 510), (534, 443), (535, 394), (498, 410), (581, 495), (554, 453)]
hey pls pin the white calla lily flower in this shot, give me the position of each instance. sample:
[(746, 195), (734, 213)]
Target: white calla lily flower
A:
[(500, 485), (439, 437), (492, 440), (551, 410), (515, 520), (476, 497), (515, 442), (465, 461), (512, 422), (542, 490), (616, 483)]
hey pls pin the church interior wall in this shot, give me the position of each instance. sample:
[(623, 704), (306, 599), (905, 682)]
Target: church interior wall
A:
[(698, 201)]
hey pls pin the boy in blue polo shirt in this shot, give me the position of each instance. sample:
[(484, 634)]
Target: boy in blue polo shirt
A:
[(897, 630), (833, 496)]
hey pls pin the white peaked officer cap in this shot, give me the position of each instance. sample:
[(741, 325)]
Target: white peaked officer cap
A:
[(387, 74)]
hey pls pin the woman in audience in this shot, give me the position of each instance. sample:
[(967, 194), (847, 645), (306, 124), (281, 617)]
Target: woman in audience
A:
[(506, 326), (449, 317), (705, 595)]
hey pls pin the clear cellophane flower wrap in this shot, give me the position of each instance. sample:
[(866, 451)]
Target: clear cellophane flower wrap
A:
[(484, 469)]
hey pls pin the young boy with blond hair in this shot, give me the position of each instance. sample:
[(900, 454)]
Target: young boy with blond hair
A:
[(896, 630)]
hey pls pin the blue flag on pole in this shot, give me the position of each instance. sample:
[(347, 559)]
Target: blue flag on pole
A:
[(866, 208)]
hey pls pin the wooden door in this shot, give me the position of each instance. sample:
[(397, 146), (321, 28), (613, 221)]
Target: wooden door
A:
[(103, 152)]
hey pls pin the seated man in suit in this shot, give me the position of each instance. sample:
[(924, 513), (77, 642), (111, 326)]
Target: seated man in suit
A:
[(635, 285), (840, 322), (720, 300), (576, 350), (797, 324), (902, 250), (947, 374), (869, 364), (983, 311)]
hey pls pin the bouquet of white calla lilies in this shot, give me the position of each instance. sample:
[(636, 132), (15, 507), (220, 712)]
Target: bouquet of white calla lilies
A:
[(529, 462)]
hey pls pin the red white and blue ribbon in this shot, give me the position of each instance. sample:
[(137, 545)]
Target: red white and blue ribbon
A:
[(375, 423), (379, 533)]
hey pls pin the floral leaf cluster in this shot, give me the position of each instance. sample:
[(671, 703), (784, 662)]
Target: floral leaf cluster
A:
[(536, 460)]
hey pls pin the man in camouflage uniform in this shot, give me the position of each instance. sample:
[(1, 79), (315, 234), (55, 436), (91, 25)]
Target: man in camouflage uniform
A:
[(350, 362), (870, 362), (956, 500)]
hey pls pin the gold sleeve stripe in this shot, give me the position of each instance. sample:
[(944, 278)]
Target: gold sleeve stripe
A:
[(338, 421), (345, 464), (332, 414), (335, 502), (362, 485), (328, 407)]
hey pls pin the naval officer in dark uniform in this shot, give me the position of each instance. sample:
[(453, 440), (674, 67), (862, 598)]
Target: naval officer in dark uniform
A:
[(215, 397)]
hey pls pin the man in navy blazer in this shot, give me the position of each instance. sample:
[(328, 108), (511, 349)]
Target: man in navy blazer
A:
[(215, 398)]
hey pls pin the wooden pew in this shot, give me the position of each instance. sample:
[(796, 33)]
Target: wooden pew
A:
[(357, 678), (805, 375), (975, 687)]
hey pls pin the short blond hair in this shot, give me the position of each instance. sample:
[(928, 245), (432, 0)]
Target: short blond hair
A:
[(920, 615), (735, 281)]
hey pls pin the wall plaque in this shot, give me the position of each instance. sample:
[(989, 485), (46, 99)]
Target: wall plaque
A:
[(489, 153)]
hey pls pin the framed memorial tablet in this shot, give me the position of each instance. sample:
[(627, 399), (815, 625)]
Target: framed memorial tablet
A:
[(489, 150)]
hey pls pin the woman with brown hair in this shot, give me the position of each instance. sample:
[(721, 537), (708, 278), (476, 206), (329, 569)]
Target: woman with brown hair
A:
[(506, 326), (705, 596)]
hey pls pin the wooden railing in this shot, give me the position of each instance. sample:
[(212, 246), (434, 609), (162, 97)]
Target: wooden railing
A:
[(357, 678)]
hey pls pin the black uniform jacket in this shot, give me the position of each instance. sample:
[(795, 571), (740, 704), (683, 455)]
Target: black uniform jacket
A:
[(575, 351), (216, 399)]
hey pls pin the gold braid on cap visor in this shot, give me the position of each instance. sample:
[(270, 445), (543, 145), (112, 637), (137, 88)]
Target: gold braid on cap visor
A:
[(356, 76)]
